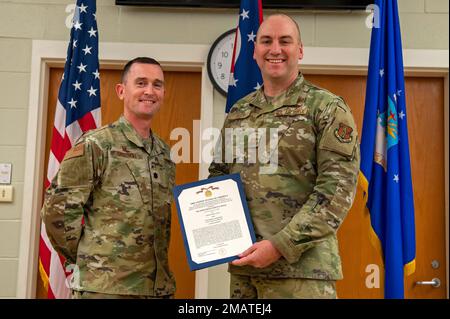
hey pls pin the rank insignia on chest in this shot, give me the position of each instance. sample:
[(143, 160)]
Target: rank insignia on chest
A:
[(344, 133)]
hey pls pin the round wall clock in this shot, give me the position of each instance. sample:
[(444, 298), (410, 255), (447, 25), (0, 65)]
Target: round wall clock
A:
[(219, 61)]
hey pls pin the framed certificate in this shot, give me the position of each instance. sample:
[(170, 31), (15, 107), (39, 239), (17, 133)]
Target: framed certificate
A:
[(215, 221)]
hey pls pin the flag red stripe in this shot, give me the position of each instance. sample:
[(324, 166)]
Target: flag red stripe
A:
[(56, 146), (45, 255), (67, 145), (87, 122), (233, 59), (50, 294), (260, 11)]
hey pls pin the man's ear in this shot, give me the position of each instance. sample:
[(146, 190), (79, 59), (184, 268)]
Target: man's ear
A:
[(119, 90), (300, 54)]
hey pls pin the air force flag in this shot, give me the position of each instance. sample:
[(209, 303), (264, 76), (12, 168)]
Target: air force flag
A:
[(385, 173)]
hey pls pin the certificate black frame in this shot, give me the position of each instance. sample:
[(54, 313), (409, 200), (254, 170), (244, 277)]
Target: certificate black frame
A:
[(177, 192)]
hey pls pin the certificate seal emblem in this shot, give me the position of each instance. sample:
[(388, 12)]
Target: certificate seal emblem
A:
[(207, 191)]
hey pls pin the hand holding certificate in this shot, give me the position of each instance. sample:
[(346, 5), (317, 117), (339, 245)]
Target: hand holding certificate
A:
[(214, 220)]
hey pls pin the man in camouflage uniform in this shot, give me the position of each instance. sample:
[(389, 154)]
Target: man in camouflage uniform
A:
[(117, 178), (297, 208)]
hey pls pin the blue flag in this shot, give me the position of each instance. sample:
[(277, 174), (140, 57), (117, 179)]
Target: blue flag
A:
[(385, 173), (245, 76)]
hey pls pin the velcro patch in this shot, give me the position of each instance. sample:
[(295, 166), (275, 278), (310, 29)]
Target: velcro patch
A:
[(76, 151), (126, 154), (340, 136), (343, 133), (291, 111)]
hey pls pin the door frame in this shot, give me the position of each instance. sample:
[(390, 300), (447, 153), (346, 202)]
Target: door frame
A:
[(178, 57)]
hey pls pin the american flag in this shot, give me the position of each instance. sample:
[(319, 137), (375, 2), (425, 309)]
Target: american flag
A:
[(245, 76), (77, 111)]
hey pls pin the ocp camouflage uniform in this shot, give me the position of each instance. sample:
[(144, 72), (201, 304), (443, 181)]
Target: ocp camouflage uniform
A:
[(121, 185), (299, 206)]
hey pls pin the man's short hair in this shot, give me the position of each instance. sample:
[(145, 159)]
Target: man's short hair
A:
[(290, 18), (143, 60)]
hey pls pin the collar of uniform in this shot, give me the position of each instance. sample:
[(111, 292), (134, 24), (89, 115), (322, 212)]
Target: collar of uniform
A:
[(288, 97), (131, 134)]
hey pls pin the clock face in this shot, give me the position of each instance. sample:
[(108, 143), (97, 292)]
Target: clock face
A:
[(219, 61)]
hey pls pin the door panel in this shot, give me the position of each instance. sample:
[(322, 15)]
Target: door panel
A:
[(425, 110), (181, 107)]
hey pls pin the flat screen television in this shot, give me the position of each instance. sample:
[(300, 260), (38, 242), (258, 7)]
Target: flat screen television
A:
[(275, 4)]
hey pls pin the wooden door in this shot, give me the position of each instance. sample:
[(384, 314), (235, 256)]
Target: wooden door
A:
[(181, 107), (425, 109)]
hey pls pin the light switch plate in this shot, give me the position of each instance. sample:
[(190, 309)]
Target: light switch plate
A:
[(6, 193), (5, 173)]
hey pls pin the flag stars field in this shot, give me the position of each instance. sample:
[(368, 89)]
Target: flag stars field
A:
[(77, 25), (72, 103), (396, 179), (96, 74), (92, 91), (244, 14), (77, 85), (82, 67), (243, 67), (251, 36), (92, 32), (87, 50), (233, 81), (83, 8)]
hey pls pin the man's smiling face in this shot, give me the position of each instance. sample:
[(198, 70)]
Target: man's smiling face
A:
[(278, 49)]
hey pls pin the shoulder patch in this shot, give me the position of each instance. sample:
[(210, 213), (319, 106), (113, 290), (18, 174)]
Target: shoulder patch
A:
[(76, 151), (340, 135), (343, 133)]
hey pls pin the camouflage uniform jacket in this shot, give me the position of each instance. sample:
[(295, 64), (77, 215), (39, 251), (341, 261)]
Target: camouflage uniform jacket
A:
[(300, 205), (121, 186)]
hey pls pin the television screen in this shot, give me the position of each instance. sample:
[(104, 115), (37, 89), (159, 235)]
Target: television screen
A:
[(279, 4)]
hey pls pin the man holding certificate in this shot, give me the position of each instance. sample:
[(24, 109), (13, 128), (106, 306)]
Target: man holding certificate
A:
[(304, 181)]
